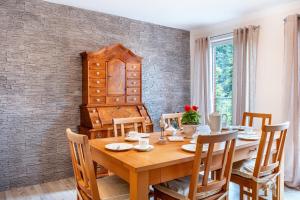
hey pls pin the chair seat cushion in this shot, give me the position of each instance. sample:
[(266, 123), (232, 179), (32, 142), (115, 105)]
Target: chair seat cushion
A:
[(245, 168), (179, 188), (113, 188)]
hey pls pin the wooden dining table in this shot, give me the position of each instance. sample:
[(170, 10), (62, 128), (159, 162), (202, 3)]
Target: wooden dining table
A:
[(164, 163)]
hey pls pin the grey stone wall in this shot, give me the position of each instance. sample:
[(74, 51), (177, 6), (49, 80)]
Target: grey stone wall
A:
[(40, 79)]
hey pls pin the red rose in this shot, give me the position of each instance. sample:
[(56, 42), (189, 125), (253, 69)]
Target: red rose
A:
[(187, 108), (195, 108)]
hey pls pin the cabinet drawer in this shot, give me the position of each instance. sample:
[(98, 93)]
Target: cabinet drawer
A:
[(97, 83), (97, 100), (97, 73), (133, 99), (133, 83), (133, 67), (95, 91), (115, 100), (96, 64), (133, 91), (133, 74)]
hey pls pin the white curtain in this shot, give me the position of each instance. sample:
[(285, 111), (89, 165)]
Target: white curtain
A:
[(245, 41), (291, 61), (201, 78)]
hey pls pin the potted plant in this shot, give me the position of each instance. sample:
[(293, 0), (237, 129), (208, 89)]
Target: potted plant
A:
[(190, 120)]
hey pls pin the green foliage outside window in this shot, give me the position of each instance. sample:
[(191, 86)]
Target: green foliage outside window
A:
[(223, 78)]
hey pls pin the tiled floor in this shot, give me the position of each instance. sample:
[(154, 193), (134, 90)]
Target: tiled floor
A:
[(64, 190)]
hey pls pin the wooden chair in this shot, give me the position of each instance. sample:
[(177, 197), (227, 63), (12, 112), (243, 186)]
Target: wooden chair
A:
[(88, 188), (258, 173), (173, 116), (198, 186), (125, 121), (251, 116)]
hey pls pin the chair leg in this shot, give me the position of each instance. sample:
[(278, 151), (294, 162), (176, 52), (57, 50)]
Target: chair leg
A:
[(241, 192), (213, 175), (255, 192), (266, 192), (226, 197), (277, 192), (249, 191), (155, 195)]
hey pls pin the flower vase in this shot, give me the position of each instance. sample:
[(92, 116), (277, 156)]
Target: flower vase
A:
[(189, 130)]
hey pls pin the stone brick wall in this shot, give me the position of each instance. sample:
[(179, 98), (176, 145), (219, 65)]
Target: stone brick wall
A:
[(40, 79)]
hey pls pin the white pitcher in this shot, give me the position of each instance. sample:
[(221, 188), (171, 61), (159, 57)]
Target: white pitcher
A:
[(215, 122)]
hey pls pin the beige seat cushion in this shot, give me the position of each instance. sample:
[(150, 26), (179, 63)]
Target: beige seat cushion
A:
[(113, 188), (245, 169), (179, 188)]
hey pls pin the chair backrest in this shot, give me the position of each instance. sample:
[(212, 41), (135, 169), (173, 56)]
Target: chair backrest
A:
[(131, 120), (270, 149), (86, 184), (173, 116), (251, 116), (222, 180)]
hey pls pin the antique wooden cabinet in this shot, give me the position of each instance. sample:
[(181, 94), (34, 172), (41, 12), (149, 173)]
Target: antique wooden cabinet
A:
[(112, 88)]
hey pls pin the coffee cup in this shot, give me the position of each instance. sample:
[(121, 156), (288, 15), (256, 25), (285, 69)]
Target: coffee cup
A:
[(144, 142)]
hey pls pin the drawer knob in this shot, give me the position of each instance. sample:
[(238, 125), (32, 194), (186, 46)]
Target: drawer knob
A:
[(98, 82), (134, 66), (98, 73), (94, 111), (134, 83), (117, 99), (97, 121), (98, 91), (98, 100), (97, 64), (134, 75), (134, 99), (134, 91)]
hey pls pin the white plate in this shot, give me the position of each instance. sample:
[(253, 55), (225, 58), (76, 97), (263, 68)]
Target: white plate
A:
[(119, 146), (193, 141), (248, 137), (176, 138), (132, 139), (143, 135), (241, 128), (192, 147), (139, 148)]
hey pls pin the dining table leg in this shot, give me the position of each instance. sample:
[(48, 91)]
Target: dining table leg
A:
[(139, 185)]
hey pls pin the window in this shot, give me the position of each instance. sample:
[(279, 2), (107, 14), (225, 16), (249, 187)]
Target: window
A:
[(222, 65)]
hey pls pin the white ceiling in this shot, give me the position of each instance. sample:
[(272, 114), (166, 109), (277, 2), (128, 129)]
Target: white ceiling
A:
[(184, 14)]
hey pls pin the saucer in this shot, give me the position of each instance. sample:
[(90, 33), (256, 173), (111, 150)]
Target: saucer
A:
[(146, 148), (192, 147), (132, 139)]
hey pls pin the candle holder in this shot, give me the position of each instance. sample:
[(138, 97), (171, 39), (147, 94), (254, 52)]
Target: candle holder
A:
[(162, 138)]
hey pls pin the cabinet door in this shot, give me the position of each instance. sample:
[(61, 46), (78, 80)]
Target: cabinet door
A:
[(109, 112), (116, 82)]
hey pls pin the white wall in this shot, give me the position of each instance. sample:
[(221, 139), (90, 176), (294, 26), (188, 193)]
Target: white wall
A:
[(270, 91)]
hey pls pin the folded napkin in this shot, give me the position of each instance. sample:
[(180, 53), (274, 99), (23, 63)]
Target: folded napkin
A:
[(176, 138)]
